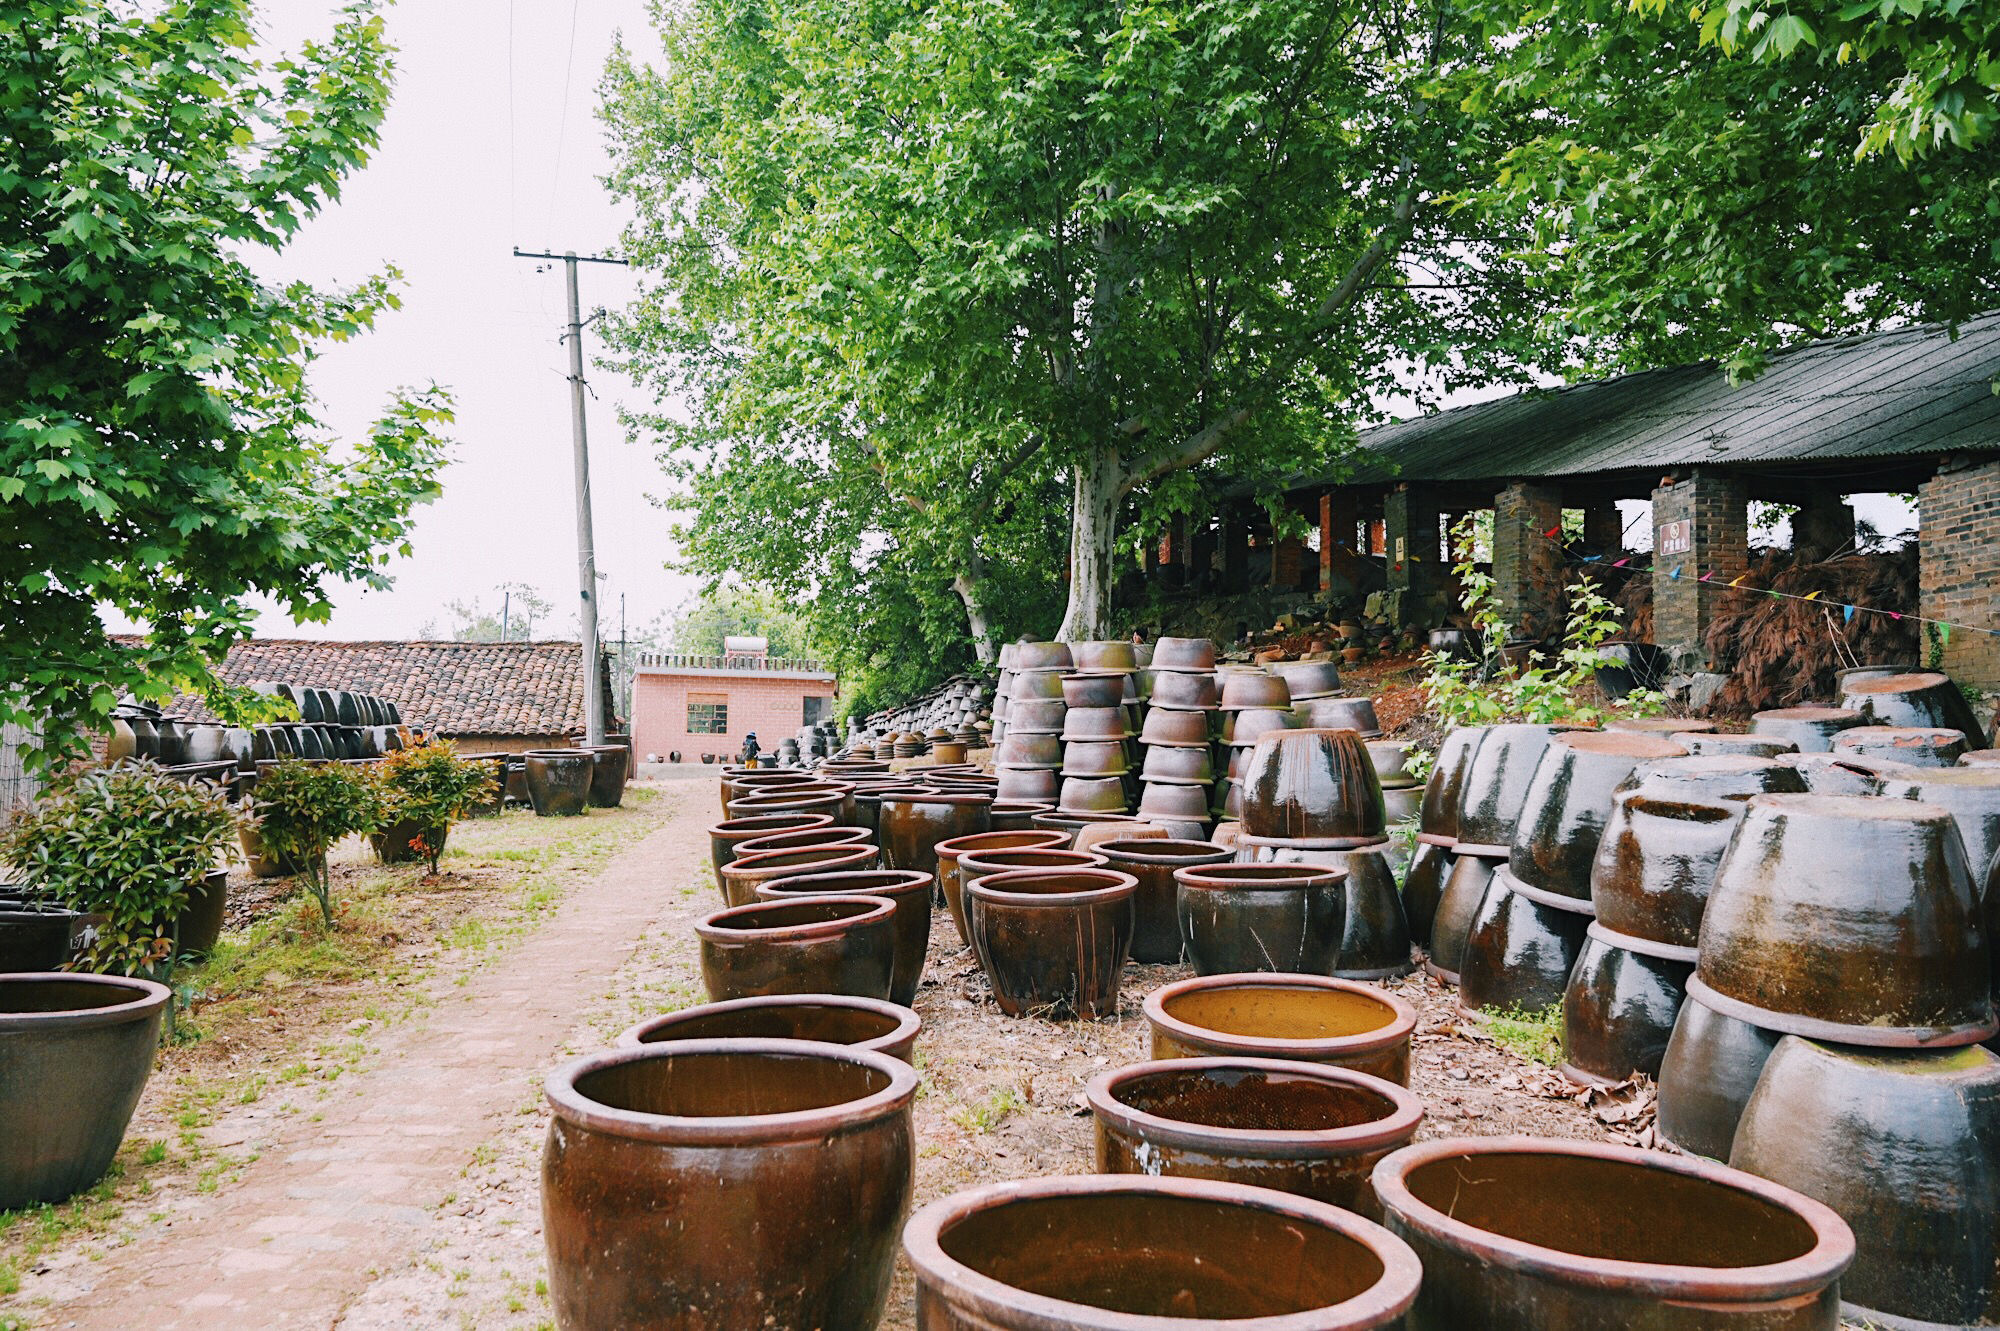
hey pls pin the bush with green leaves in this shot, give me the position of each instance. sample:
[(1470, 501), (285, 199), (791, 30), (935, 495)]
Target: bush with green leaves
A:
[(429, 786), (126, 842), (303, 808)]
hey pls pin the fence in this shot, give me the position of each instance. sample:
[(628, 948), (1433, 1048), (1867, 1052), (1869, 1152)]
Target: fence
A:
[(691, 661), (17, 784)]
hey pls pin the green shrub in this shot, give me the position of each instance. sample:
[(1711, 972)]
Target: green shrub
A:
[(431, 786), (303, 808)]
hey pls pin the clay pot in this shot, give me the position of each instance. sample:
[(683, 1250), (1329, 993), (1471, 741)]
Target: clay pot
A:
[(1619, 1009), (805, 838), (952, 884), (1243, 729), (1423, 887), (1189, 803), (1444, 792), (1123, 1252), (1182, 767), (76, 1051), (1177, 692), (36, 938), (1306, 1018), (1528, 1234), (1097, 689), (737, 782), (1052, 940), (1970, 795), (1071, 822), (1115, 654), (1520, 949), (948, 751), (725, 837), (1030, 787), (1156, 930), (1710, 1068), (1356, 714), (913, 822), (559, 781), (1402, 804), (1900, 1144), (1015, 815), (607, 774), (909, 890), (742, 875), (1718, 777), (1184, 654), (1043, 656), (1375, 933), (841, 804), (1304, 1128), (1035, 716), (1238, 918), (1810, 729), (823, 945), (1306, 680), (1029, 752), (1916, 746), (863, 1023), (1660, 725), (1390, 757), (1657, 863), (1165, 729), (1848, 919), (1922, 699), (1041, 685), (1497, 783), (1756, 746), (1092, 835), (766, 1141), (1245, 689), (1094, 758), (1464, 889), (1089, 794), (1317, 784), (1556, 836), (1102, 724)]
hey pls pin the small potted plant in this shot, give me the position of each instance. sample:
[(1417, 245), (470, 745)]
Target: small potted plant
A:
[(424, 790), (303, 808)]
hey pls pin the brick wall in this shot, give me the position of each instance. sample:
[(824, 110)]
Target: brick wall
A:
[(1527, 564), (1959, 580), (771, 705), (1716, 537)]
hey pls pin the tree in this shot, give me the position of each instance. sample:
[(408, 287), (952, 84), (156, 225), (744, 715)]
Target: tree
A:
[(975, 252), (161, 453), (520, 608), (733, 610)]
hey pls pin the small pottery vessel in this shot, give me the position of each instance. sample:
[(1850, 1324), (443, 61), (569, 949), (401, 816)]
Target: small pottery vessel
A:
[(1657, 863), (823, 945), (798, 1157), (1238, 918), (726, 836), (1970, 794), (1810, 729), (1520, 949), (1093, 689), (741, 876), (1529, 1234), (1900, 1144), (1319, 784), (952, 884), (1175, 691), (1619, 1010), (1254, 689), (559, 781), (1156, 930), (914, 821), (1423, 887), (1849, 919), (1189, 654), (1356, 714), (1243, 729), (1563, 816), (1305, 1128), (864, 1023), (1919, 746), (1464, 888), (805, 838), (909, 890), (1706, 1077), (1124, 1252), (1052, 941), (1306, 1018), (1017, 815), (1181, 767), (1496, 785), (1306, 680), (76, 1050), (1375, 933), (1924, 699), (1445, 790)]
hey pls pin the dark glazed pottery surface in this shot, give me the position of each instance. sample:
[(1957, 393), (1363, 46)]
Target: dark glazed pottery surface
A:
[(1308, 1018), (1657, 862), (1312, 783), (1052, 940), (865, 1023), (1156, 929), (1496, 784), (1569, 800), (741, 875), (908, 889), (951, 883), (1464, 888), (1519, 951), (726, 836), (1711, 1067), (559, 781), (1445, 790), (820, 945), (1811, 728), (1619, 1009), (1423, 888), (1262, 917), (1374, 932)]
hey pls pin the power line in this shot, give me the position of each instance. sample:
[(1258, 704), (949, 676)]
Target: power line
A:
[(562, 120), (513, 134)]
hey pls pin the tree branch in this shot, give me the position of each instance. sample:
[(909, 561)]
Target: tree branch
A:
[(1193, 450)]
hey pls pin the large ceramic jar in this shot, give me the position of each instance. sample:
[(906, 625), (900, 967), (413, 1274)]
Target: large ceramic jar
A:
[(1262, 917), (1918, 746), (829, 798), (1444, 791), (1569, 801), (1710, 1069), (1527, 1234), (1620, 1005), (805, 838), (1302, 1018), (1657, 862), (1194, 655), (1810, 729), (1156, 930), (726, 1183), (741, 876), (559, 781), (1317, 784), (1464, 888), (607, 774), (1374, 931), (1521, 947), (908, 889), (951, 883), (913, 822), (864, 1023), (1423, 888), (34, 937), (75, 1051), (821, 945), (1971, 794), (1052, 941), (1127, 1253), (726, 836), (1305, 1128), (1922, 698), (1496, 785)]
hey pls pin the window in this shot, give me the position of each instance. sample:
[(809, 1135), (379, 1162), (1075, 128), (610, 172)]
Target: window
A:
[(708, 714), (815, 709)]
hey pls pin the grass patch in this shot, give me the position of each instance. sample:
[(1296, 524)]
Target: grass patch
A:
[(1534, 1036), (1004, 1102)]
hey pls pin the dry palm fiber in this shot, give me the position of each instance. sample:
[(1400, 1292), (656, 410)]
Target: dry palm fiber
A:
[(1635, 602)]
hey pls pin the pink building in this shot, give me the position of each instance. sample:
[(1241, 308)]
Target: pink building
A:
[(695, 705)]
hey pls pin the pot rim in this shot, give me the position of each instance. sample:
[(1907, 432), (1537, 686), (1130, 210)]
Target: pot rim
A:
[(780, 803), (1284, 878), (1121, 888), (1336, 843), (1153, 848), (149, 997), (836, 836), (908, 1023), (1085, 859), (1406, 1111), (850, 857), (1048, 838), (1438, 839), (1402, 1023), (1541, 896), (905, 881), (925, 795), (725, 831), (529, 753), (715, 928), (1830, 1255), (1817, 1028), (962, 1286), (1645, 947), (570, 1105)]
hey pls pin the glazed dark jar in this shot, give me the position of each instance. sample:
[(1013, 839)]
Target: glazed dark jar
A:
[(908, 889), (1521, 947), (820, 945), (805, 838), (1306, 1128), (1296, 1018), (1156, 929), (1374, 932), (864, 1023), (1444, 791), (1423, 888), (1124, 1252), (1619, 1009), (1318, 784), (559, 781), (1528, 1234), (1811, 729), (913, 822), (1707, 1076), (609, 763), (726, 836), (1496, 785), (1464, 888), (726, 1183), (1568, 802), (742, 875), (1657, 863), (1053, 942), (951, 883), (1262, 917)]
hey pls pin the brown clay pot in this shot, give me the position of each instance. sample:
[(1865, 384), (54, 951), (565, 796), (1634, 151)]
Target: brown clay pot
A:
[(1305, 1128), (864, 1023), (1035, 716), (910, 892), (1038, 786), (610, 764), (1496, 785), (1052, 941), (824, 945), (1375, 933), (1423, 887), (1097, 758), (1657, 862), (913, 822), (1092, 794), (838, 804), (1520, 949), (198, 927), (741, 875), (559, 781), (1238, 918), (1529, 1234), (1072, 822), (1710, 745), (1028, 752), (1093, 689), (1122, 1252), (1718, 777), (1919, 746), (1040, 685), (1017, 815), (1619, 1010), (1176, 691), (1305, 1018), (1242, 730), (1173, 801), (1810, 729), (1900, 1144), (1710, 1068), (1043, 656), (1306, 680), (1924, 699), (796, 1157), (1556, 835), (804, 838), (1970, 794), (1849, 919), (1167, 730), (1317, 784), (1102, 724), (1184, 654), (1444, 792), (1116, 654), (1464, 888), (1091, 835), (1156, 929), (738, 782), (951, 884), (1244, 689), (1356, 714), (1179, 767)]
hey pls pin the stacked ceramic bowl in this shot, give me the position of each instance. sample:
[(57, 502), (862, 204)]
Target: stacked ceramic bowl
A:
[(1099, 734), (1402, 794), (1255, 703), (1178, 770), (1431, 865), (1029, 757)]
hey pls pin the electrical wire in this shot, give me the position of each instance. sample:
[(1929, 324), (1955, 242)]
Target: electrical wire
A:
[(562, 120)]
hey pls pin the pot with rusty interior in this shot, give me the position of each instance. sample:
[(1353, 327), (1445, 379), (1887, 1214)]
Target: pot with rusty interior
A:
[(1970, 794), (1919, 746), (1124, 1252), (1925, 699), (1464, 889), (741, 876), (1444, 790), (1811, 729), (726, 1183), (1563, 816), (1657, 862), (1496, 785), (1317, 784), (864, 1023), (1849, 919), (1303, 1018), (1101, 688), (1706, 1077), (1237, 918), (951, 883), (559, 781), (1423, 888), (819, 945), (804, 838), (1156, 929), (913, 822), (1899, 1143), (1530, 1234), (738, 782), (910, 892), (1310, 1129), (1521, 947), (1052, 941), (1189, 654), (1018, 815), (1375, 933), (840, 803), (1619, 1009)]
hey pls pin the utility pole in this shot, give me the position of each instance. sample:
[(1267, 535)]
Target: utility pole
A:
[(506, 599), (586, 550)]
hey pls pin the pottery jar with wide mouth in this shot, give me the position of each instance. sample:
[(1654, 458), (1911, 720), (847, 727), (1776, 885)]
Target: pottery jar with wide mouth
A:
[(1052, 941), (1710, 1069), (1444, 790), (1191, 654), (1018, 815), (1619, 1009), (726, 1183), (1844, 773), (559, 781), (1156, 929), (75, 1052), (1303, 1018), (1900, 1143), (738, 782), (1924, 699), (1310, 1129), (1970, 794), (1356, 714), (909, 890), (1496, 785), (804, 838), (1568, 802), (839, 802), (818, 945), (913, 822), (1261, 917), (1091, 689), (1375, 933), (863, 1023), (1423, 888), (1306, 680), (1176, 691), (951, 883), (1178, 767), (1071, 822), (1521, 947), (1317, 784), (1657, 863), (1848, 919), (1528, 1234), (741, 876), (1718, 777), (1242, 730), (1709, 745), (1391, 758), (1122, 828), (1247, 689), (608, 768), (36, 937), (1464, 889), (1124, 1252), (1919, 746), (1810, 729)]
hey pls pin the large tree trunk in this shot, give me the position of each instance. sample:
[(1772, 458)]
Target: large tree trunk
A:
[(1093, 521), (970, 586)]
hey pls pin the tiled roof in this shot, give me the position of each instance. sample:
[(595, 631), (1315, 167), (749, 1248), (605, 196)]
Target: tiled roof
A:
[(451, 688)]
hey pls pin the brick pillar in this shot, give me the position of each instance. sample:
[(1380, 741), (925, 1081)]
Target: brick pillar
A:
[(1339, 520), (1527, 564), (1174, 552), (1958, 539), (1603, 530), (1823, 527), (1701, 525), (1416, 555), (1235, 550)]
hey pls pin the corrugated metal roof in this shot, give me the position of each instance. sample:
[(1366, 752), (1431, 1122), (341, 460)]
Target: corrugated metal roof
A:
[(1897, 394)]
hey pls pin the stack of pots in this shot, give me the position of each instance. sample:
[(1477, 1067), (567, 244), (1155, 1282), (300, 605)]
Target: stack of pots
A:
[(1099, 737), (1178, 768), (1923, 699), (1254, 704), (1029, 756), (1437, 831)]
